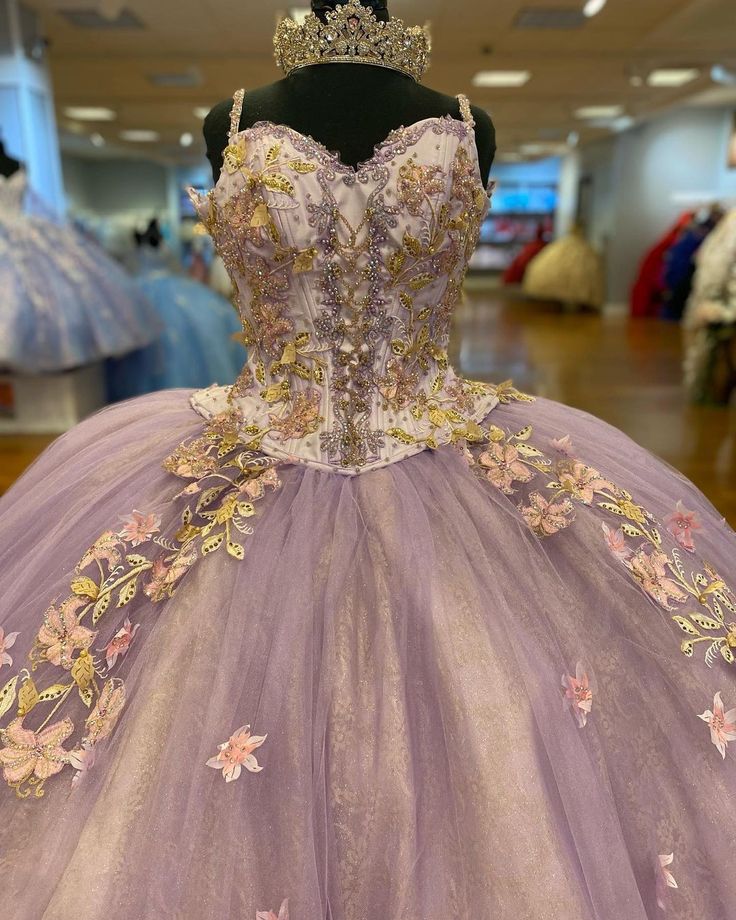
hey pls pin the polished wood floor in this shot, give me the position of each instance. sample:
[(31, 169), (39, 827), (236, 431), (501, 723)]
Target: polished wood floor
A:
[(628, 373)]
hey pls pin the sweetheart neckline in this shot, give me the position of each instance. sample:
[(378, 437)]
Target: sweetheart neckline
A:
[(378, 148)]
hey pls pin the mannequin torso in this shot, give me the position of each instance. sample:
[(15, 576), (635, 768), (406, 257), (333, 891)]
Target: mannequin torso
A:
[(350, 108), (8, 165)]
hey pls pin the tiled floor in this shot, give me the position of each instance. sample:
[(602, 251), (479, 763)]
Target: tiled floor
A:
[(628, 373)]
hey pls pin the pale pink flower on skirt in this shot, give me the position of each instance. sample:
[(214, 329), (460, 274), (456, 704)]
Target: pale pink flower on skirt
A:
[(6, 642), (120, 642), (256, 488), (270, 915), (665, 879), (578, 694), (82, 759), (504, 467), (155, 588), (583, 482), (62, 633), (650, 570), (681, 524), (106, 713), (27, 753), (237, 753), (105, 548), (139, 528), (722, 724), (616, 542), (563, 445), (547, 518)]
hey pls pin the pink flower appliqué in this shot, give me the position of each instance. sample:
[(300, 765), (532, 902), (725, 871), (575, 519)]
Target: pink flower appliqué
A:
[(82, 759), (256, 488), (105, 548), (547, 518), (504, 467), (616, 542), (237, 753), (27, 753), (665, 879), (139, 528), (563, 445), (583, 481), (6, 642), (61, 633), (650, 570), (270, 915), (120, 642), (722, 724), (578, 694), (681, 524), (101, 721)]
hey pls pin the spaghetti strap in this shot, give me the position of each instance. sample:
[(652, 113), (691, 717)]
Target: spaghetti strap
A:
[(465, 110), (236, 112)]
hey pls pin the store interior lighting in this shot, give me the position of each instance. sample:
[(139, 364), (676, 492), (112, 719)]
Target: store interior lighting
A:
[(593, 7), (501, 78), (89, 113), (672, 76)]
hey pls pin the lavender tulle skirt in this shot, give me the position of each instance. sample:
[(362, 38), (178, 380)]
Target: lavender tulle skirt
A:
[(492, 682)]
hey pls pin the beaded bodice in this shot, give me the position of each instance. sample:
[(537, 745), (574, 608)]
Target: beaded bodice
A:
[(346, 280)]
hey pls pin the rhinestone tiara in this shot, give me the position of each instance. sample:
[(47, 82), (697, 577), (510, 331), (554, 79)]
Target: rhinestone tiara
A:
[(352, 34)]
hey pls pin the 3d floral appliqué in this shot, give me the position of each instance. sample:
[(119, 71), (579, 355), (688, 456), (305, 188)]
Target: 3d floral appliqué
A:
[(722, 724), (237, 753)]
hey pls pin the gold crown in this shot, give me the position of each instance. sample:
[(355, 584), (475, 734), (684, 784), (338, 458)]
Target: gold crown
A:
[(352, 34)]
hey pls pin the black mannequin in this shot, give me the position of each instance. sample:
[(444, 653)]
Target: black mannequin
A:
[(151, 236), (349, 108), (8, 165)]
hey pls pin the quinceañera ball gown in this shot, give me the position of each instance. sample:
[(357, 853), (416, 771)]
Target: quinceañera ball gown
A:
[(63, 302), (357, 638)]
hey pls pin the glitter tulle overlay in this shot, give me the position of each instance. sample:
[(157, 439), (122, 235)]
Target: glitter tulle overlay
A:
[(356, 637)]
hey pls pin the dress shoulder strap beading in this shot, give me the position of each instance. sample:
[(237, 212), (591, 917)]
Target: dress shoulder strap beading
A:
[(465, 110), (235, 113)]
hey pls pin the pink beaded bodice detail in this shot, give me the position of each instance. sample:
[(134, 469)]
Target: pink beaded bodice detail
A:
[(346, 281)]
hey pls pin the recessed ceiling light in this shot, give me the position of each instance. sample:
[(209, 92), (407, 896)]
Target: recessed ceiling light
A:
[(501, 78), (139, 136), (89, 113), (187, 139), (636, 80), (97, 140), (593, 7), (299, 13), (673, 76), (595, 112), (202, 111), (720, 74), (573, 139)]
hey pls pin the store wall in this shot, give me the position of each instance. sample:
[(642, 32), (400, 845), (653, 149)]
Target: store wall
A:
[(637, 183), (118, 186)]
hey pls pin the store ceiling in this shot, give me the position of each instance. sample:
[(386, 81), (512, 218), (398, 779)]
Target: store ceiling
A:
[(214, 46)]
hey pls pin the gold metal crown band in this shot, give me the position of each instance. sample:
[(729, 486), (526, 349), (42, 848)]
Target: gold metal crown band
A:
[(351, 34)]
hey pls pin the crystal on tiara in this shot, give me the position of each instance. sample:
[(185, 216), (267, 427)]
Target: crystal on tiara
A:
[(352, 34)]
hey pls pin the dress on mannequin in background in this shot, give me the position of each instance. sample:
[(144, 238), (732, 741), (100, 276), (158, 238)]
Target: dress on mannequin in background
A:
[(569, 270), (63, 302), (196, 345), (647, 292), (710, 318), (356, 637), (514, 274)]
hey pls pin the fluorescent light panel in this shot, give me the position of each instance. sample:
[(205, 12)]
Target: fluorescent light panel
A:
[(89, 113), (501, 78), (595, 112), (139, 136), (673, 76), (593, 7)]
